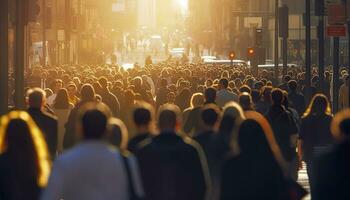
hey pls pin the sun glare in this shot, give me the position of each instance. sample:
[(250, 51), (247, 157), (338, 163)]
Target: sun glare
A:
[(183, 4)]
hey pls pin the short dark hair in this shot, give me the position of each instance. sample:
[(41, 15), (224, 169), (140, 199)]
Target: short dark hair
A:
[(87, 93), (210, 114), (292, 85), (169, 115), (103, 82), (142, 114), (36, 97), (210, 95), (94, 119), (277, 96), (224, 82)]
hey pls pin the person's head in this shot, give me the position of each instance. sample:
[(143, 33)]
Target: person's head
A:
[(197, 100), (223, 84), (246, 102), (233, 115), (36, 98), (143, 116), (72, 90), (163, 83), (23, 142), (58, 84), (210, 95), (266, 93), (277, 96), (118, 133), (62, 101), (256, 96), (340, 126), (48, 92), (292, 85), (319, 105), (245, 88), (87, 93), (210, 115), (103, 82), (169, 118), (93, 119)]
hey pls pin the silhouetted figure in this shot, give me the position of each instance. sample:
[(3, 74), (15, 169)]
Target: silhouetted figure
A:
[(285, 130), (173, 167), (143, 116), (315, 134), (23, 170), (208, 138), (108, 97), (223, 95), (210, 96), (47, 123), (296, 99), (332, 172), (255, 173)]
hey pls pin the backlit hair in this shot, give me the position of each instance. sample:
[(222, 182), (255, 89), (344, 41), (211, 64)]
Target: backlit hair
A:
[(39, 143), (313, 107)]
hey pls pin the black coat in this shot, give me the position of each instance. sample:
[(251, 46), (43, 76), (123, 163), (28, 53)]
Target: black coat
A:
[(333, 175), (48, 125), (14, 184), (135, 143), (173, 168)]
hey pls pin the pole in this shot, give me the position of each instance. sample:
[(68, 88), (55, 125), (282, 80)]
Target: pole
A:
[(335, 73), (44, 30), (321, 63), (67, 31), (4, 56), (276, 39), (308, 48), (19, 61), (285, 55)]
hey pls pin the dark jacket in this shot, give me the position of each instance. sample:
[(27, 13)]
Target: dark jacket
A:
[(111, 101), (315, 132), (333, 175), (136, 142), (15, 185), (173, 168), (246, 179), (283, 127), (297, 101), (48, 125)]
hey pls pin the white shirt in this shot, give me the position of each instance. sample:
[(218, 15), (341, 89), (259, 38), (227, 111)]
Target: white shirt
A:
[(91, 170), (224, 96)]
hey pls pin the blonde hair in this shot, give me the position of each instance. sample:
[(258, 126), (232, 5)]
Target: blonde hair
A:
[(39, 143)]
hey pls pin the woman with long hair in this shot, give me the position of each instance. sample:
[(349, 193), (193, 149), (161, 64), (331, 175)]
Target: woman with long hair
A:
[(233, 116), (258, 171), (62, 108), (24, 158), (315, 133)]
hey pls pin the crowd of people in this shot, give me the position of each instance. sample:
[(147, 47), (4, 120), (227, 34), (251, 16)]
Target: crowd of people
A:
[(171, 131)]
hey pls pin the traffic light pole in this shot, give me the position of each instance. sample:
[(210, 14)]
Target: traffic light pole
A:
[(3, 56), (321, 53), (19, 61), (44, 31), (276, 39), (308, 48), (67, 31), (285, 55), (335, 73)]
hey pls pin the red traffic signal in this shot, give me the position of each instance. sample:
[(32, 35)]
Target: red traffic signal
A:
[(251, 52), (232, 55)]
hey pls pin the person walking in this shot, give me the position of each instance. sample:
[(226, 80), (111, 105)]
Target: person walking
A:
[(24, 158), (92, 170), (223, 95), (173, 167)]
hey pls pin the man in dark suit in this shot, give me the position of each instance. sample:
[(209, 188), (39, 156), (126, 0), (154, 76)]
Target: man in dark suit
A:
[(173, 167), (46, 122)]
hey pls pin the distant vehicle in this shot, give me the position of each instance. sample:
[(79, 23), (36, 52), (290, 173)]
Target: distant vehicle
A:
[(204, 58), (177, 52), (227, 62), (127, 66), (273, 65)]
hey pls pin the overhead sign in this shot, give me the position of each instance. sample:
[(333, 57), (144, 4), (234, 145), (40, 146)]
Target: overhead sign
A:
[(336, 31), (336, 14)]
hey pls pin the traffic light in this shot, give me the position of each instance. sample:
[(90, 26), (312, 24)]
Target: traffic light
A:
[(258, 37), (33, 7), (250, 53), (232, 55)]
